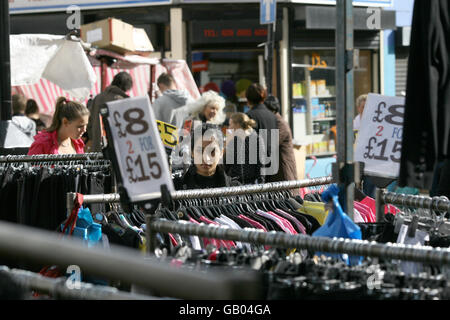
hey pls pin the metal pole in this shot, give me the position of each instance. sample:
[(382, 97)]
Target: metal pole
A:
[(150, 234), (269, 65), (53, 157), (344, 101), (217, 192), (70, 198), (5, 63), (58, 289), (126, 264), (379, 204), (424, 254)]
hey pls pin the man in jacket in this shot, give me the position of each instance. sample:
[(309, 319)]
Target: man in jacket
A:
[(265, 121), (121, 83), (171, 99)]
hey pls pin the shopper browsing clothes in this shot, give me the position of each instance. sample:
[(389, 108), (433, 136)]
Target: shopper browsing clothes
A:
[(206, 152), (266, 123), (287, 169), (64, 134), (360, 104), (19, 119), (121, 83), (242, 150), (170, 100), (32, 112), (208, 108)]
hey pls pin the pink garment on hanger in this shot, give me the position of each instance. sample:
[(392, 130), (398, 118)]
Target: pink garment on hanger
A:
[(172, 239), (285, 222), (365, 211), (254, 223), (358, 217), (370, 202), (300, 226), (273, 218), (207, 241), (226, 243)]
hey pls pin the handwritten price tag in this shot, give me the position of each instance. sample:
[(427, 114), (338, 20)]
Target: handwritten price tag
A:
[(379, 141), (168, 134), (138, 147)]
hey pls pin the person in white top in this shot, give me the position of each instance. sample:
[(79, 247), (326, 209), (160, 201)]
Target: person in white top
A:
[(360, 103)]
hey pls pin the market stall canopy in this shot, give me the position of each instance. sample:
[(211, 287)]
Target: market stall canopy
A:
[(54, 58)]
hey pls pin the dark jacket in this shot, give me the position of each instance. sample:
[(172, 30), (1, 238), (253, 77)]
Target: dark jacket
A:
[(426, 127), (192, 180), (240, 163), (287, 169), (265, 119), (111, 93)]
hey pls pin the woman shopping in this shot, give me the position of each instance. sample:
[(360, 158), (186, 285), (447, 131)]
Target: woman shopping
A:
[(64, 134)]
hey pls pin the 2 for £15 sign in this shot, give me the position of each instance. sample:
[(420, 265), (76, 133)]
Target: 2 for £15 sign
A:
[(379, 142), (138, 148)]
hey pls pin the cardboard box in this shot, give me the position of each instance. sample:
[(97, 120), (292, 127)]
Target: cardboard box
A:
[(111, 34), (142, 44)]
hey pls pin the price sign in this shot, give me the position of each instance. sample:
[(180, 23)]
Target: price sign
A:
[(379, 141), (168, 134), (138, 149)]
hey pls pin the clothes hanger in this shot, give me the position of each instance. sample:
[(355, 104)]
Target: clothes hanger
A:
[(359, 195)]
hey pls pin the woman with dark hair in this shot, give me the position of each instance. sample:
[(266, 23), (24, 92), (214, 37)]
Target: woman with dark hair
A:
[(206, 152), (243, 150), (64, 134), (32, 112)]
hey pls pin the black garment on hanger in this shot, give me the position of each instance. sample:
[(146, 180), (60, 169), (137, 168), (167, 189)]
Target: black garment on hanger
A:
[(192, 180), (426, 125)]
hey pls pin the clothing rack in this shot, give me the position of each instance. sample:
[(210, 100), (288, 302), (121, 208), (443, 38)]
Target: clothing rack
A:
[(57, 287), (51, 157), (383, 197), (424, 254), (207, 193), (127, 265)]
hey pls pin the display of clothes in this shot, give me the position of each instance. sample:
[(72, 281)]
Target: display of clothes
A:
[(35, 194), (290, 275), (304, 274)]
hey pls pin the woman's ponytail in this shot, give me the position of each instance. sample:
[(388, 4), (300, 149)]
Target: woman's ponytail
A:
[(70, 110)]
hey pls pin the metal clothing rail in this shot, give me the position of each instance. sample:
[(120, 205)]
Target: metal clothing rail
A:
[(51, 157), (58, 289), (130, 266), (206, 193), (424, 254), (383, 197)]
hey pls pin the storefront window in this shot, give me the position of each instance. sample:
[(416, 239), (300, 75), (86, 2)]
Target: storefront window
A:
[(314, 97), (227, 72)]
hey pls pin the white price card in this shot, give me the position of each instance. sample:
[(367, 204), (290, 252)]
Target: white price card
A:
[(379, 141), (138, 148)]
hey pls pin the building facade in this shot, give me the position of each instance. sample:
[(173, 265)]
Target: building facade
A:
[(223, 42)]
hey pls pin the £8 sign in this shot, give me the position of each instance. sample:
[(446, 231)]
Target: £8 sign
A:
[(137, 145), (379, 142)]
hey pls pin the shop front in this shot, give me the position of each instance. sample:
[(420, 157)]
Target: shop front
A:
[(227, 53), (313, 72)]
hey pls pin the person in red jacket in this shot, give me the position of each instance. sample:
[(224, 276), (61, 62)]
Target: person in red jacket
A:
[(64, 134)]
